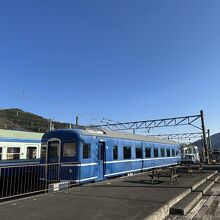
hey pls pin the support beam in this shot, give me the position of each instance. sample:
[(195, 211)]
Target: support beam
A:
[(195, 121), (178, 136), (150, 124)]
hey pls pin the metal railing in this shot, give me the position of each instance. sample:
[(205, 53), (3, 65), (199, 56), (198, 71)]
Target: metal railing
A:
[(27, 179)]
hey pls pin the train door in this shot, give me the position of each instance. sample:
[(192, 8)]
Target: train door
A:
[(53, 160), (142, 157), (101, 160)]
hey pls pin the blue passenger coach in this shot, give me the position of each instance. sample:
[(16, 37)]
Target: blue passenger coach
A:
[(96, 154)]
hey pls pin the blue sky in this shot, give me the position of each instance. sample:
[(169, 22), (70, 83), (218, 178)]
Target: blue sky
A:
[(120, 59)]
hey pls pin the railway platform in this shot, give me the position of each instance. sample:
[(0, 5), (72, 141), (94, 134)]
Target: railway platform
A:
[(128, 197)]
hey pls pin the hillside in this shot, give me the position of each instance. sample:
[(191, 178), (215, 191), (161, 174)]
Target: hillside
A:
[(18, 119), (215, 140)]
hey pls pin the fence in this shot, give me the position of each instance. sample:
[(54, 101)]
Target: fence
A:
[(26, 179)]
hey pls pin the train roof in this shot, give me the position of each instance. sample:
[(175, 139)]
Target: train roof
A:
[(123, 135), (12, 134)]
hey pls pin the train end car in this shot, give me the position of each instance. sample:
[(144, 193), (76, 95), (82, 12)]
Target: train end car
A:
[(82, 155)]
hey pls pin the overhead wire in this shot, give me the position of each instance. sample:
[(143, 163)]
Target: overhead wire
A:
[(87, 117)]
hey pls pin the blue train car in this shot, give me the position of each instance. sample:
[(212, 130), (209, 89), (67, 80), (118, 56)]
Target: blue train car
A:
[(93, 155)]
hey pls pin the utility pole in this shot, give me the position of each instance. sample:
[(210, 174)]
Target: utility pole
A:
[(77, 120), (210, 143), (203, 150), (204, 137), (51, 125)]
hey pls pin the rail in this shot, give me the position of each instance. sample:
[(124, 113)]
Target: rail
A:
[(27, 179)]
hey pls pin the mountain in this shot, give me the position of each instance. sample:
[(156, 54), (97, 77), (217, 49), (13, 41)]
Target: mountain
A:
[(18, 119), (215, 140)]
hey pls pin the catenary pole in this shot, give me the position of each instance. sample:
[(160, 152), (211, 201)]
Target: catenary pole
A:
[(204, 137)]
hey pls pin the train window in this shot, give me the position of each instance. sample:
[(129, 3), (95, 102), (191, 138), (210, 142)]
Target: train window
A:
[(168, 152), (69, 150), (173, 152), (86, 151), (13, 153), (177, 152), (147, 152), (162, 152), (127, 152), (53, 149), (0, 153), (138, 152), (155, 152), (115, 152), (31, 152)]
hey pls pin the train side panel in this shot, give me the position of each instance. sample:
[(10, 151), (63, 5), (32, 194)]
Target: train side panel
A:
[(127, 161), (18, 152), (123, 164), (88, 151)]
